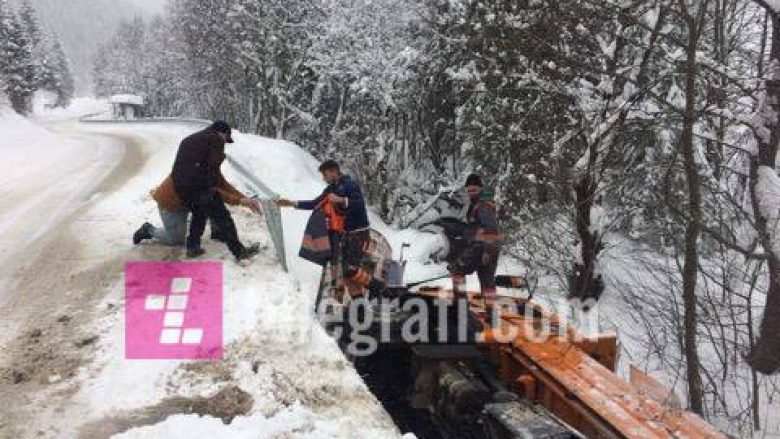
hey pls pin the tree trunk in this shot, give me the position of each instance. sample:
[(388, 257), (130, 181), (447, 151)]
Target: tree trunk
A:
[(692, 229), (765, 356), (585, 282)]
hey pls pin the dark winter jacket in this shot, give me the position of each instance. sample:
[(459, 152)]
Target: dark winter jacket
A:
[(482, 220), (316, 245), (196, 168), (355, 212), (166, 197)]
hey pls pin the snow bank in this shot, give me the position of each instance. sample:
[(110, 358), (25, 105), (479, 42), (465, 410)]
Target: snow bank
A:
[(79, 107), (295, 421)]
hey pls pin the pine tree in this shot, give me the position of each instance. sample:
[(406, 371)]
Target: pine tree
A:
[(28, 19), (60, 80), (30, 25), (16, 61)]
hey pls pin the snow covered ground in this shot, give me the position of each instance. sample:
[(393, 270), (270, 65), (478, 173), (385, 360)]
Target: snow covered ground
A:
[(63, 365), (44, 178), (642, 305)]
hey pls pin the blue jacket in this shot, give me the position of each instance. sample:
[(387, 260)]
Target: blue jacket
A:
[(355, 212)]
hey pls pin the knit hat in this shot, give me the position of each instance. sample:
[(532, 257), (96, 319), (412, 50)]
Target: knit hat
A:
[(220, 126), (474, 180)]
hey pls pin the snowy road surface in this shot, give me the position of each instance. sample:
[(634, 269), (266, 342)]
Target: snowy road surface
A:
[(71, 199), (46, 177)]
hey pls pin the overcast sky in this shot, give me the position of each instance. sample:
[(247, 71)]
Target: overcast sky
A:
[(83, 25), (153, 6)]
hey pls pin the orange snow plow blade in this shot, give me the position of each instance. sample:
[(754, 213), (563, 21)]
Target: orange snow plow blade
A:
[(571, 376)]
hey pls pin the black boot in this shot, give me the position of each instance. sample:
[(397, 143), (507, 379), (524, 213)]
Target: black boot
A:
[(194, 252), (145, 232), (248, 253)]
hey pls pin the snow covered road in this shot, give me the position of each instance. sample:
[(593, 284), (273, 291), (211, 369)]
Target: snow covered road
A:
[(62, 369), (50, 176), (47, 177)]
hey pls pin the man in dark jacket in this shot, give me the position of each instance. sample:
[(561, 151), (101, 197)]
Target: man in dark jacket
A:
[(174, 214), (483, 243), (343, 204), (196, 178)]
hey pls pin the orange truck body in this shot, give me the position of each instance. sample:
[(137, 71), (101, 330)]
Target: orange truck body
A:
[(573, 377)]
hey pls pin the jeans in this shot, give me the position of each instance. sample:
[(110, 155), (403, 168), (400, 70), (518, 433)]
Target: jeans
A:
[(174, 230)]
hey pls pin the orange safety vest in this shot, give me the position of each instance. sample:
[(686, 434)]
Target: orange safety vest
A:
[(336, 221)]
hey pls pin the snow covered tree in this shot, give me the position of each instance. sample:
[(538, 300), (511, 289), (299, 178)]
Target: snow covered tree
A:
[(362, 62), (57, 77), (30, 26), (31, 59), (120, 65), (52, 70), (28, 19), (17, 66), (764, 185)]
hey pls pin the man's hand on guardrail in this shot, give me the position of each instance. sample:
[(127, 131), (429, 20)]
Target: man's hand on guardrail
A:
[(254, 205), (283, 202)]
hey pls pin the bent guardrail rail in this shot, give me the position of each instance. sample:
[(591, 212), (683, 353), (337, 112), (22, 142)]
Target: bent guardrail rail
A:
[(273, 215)]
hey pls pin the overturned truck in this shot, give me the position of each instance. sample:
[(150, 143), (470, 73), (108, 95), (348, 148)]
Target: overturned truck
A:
[(447, 367)]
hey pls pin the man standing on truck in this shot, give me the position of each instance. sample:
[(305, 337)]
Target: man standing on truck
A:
[(196, 179), (483, 243), (344, 208)]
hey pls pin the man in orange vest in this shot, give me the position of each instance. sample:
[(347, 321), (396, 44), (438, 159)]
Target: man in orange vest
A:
[(344, 207), (483, 240)]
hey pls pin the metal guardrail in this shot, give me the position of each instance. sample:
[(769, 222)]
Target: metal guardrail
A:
[(273, 218), (273, 215)]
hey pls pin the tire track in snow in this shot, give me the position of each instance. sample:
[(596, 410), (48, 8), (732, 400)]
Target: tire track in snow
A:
[(48, 287)]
